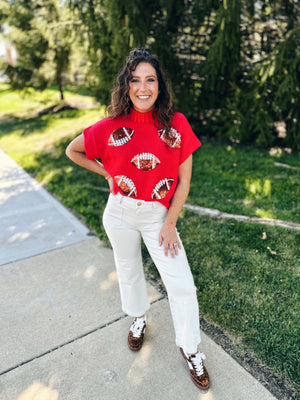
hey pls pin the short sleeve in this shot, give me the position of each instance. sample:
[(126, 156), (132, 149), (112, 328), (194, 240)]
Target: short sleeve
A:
[(189, 141), (95, 140)]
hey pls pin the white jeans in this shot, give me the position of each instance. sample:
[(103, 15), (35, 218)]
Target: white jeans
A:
[(126, 221)]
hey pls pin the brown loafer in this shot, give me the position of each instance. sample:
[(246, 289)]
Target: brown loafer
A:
[(198, 372), (136, 334)]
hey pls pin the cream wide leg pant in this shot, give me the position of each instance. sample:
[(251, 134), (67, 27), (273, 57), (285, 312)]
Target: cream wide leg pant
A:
[(126, 222)]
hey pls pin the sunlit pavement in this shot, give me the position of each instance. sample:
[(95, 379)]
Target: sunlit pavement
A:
[(63, 334)]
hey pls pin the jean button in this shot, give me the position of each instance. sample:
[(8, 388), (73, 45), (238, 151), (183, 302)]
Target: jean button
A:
[(138, 203)]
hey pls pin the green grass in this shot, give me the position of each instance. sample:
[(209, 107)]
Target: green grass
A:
[(245, 180), (248, 284)]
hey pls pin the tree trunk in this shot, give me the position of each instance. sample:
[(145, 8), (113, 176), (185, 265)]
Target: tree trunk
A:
[(61, 88)]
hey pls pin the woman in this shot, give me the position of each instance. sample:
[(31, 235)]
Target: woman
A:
[(146, 152)]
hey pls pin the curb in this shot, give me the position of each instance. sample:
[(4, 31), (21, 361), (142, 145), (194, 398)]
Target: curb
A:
[(219, 214)]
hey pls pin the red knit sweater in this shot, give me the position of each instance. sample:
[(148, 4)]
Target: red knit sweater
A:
[(143, 159)]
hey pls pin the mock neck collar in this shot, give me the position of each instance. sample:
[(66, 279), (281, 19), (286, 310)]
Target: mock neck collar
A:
[(142, 117)]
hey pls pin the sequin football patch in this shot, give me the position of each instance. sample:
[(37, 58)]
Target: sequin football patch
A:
[(162, 188), (120, 136), (126, 185), (145, 161), (171, 137)]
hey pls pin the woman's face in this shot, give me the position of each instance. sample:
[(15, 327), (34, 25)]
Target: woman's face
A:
[(143, 87)]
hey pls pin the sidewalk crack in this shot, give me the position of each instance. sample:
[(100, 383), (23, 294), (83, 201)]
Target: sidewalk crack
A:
[(71, 341), (63, 344)]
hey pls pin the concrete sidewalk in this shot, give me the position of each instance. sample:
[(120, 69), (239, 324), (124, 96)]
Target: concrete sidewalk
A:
[(63, 334)]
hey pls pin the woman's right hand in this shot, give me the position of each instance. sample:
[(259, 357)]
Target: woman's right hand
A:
[(111, 184), (76, 152)]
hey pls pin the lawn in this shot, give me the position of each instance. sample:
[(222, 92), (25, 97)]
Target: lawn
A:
[(245, 180), (247, 274)]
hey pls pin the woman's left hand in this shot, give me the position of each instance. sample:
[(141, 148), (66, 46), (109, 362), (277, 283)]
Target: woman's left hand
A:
[(168, 234), (168, 237)]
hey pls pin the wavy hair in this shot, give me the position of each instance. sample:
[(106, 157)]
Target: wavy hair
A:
[(120, 100)]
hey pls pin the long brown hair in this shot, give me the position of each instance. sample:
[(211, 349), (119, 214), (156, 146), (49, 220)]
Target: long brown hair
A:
[(120, 100)]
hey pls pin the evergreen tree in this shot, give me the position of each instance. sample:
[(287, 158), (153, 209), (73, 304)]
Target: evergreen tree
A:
[(42, 34), (279, 87), (30, 44), (223, 63), (165, 36), (233, 64), (55, 22), (112, 28)]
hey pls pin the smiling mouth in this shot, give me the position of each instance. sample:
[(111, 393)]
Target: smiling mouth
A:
[(143, 97)]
